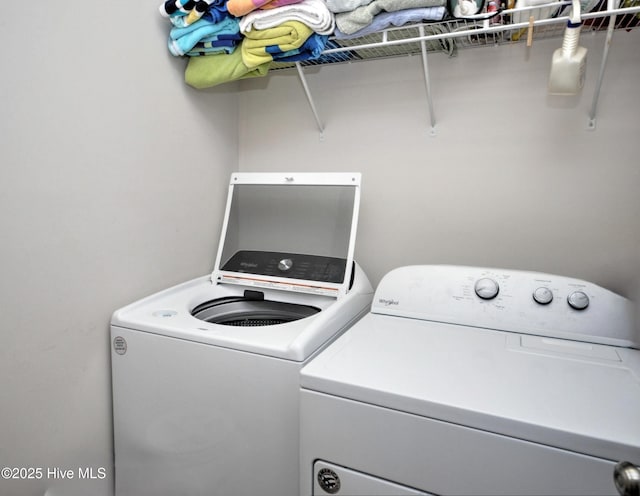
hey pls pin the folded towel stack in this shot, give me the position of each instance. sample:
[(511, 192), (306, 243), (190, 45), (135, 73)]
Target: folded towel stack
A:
[(288, 33), (200, 27), (209, 31), (227, 40)]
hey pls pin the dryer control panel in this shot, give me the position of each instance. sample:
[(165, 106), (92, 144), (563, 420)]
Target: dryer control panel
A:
[(509, 300)]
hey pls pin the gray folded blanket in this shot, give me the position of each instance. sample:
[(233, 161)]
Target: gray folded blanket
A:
[(338, 6), (399, 18), (350, 22)]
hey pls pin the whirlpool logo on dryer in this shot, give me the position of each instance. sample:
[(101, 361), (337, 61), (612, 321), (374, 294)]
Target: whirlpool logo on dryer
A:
[(388, 302)]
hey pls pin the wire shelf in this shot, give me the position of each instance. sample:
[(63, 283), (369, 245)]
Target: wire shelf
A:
[(508, 26)]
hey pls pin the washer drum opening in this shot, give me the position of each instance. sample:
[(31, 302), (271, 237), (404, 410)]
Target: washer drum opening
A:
[(243, 312)]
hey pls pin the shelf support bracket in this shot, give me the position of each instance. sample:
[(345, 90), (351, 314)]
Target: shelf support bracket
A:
[(427, 81), (307, 92), (612, 4)]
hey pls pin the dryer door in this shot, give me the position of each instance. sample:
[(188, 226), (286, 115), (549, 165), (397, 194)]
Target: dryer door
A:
[(334, 479)]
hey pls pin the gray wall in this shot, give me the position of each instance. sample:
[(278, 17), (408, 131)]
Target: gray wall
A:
[(112, 186), (513, 178)]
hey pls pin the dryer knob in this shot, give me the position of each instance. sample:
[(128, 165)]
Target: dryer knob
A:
[(285, 264), (578, 300), (486, 288), (543, 295), (626, 477)]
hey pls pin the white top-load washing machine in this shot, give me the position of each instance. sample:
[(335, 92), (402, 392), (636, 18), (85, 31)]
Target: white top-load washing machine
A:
[(206, 374), (472, 381)]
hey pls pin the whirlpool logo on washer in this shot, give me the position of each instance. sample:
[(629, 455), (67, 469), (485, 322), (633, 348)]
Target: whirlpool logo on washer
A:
[(388, 302), (329, 480)]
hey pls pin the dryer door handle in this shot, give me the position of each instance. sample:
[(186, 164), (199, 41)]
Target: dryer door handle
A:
[(626, 477)]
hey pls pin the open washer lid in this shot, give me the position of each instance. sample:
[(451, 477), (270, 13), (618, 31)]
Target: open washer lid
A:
[(290, 231)]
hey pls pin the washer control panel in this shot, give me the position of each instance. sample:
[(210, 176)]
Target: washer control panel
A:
[(510, 300), (289, 265)]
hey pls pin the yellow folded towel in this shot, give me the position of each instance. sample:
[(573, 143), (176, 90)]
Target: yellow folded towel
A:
[(211, 70), (259, 44)]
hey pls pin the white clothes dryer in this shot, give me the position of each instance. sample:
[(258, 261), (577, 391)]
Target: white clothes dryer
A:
[(206, 374), (472, 381)]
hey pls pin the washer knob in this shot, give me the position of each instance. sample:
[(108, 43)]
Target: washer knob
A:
[(285, 264), (578, 300), (486, 288), (543, 295)]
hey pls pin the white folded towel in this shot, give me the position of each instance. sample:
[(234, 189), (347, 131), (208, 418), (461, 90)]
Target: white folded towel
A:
[(313, 13)]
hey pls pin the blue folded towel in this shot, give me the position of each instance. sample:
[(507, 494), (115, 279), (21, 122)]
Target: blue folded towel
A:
[(310, 49), (211, 50), (221, 44), (223, 37), (217, 14), (182, 40), (331, 58)]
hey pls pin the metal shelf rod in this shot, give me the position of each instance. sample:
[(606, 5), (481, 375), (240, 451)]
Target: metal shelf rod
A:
[(596, 95), (427, 82), (307, 92)]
